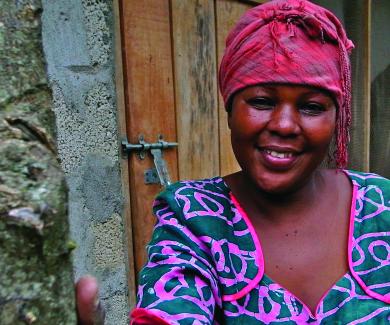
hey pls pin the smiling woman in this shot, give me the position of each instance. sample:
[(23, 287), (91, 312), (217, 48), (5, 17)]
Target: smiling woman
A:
[(281, 133), (282, 240)]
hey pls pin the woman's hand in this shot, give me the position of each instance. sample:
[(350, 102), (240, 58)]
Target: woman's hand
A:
[(89, 308)]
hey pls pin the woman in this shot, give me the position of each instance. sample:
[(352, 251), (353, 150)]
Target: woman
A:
[(281, 241)]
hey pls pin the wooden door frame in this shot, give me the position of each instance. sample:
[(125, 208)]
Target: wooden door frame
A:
[(124, 163)]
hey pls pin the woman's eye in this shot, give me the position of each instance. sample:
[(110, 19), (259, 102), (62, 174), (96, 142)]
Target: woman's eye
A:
[(313, 108), (261, 103)]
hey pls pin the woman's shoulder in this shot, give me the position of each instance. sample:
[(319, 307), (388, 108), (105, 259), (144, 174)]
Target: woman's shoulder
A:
[(204, 211), (372, 192), (369, 237), (367, 179), (214, 186), (358, 178), (196, 199)]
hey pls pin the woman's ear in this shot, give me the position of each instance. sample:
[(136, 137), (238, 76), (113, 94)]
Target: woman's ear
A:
[(229, 111), (229, 119)]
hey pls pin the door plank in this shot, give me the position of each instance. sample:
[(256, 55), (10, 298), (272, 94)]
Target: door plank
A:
[(357, 22), (149, 104), (193, 29), (250, 2), (380, 90), (228, 12), (120, 100)]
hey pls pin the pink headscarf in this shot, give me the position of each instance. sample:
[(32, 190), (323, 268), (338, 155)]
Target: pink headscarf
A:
[(291, 41)]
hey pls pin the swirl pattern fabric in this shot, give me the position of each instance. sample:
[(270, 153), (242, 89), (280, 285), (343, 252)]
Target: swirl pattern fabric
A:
[(205, 265)]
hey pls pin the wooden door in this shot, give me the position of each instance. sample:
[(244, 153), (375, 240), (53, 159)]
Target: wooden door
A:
[(171, 51)]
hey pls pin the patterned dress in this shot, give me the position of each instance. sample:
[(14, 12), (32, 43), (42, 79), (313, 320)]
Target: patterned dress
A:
[(206, 266)]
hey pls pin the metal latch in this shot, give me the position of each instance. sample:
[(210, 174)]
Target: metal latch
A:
[(160, 173)]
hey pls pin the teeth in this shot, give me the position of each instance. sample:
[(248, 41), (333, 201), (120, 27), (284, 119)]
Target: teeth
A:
[(280, 155)]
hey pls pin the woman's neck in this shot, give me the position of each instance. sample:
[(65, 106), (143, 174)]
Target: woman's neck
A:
[(277, 208)]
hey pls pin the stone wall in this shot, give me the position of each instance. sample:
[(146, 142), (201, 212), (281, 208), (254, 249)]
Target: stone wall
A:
[(78, 42), (36, 281)]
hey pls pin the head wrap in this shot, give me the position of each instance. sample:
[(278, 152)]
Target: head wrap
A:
[(291, 41)]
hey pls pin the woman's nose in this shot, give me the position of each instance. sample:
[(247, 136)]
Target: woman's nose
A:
[(284, 121)]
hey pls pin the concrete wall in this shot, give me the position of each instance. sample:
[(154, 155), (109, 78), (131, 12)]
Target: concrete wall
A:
[(78, 43)]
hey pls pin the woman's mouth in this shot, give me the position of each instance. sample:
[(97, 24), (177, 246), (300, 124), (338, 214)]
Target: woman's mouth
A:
[(278, 159), (279, 155)]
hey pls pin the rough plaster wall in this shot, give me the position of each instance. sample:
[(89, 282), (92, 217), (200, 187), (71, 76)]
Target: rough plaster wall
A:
[(78, 42), (36, 280)]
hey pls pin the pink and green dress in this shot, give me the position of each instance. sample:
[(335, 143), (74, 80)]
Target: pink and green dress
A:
[(206, 266)]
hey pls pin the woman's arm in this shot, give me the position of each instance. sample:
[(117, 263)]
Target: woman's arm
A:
[(178, 282)]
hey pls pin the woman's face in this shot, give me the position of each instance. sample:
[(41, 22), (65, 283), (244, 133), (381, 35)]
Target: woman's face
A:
[(281, 133)]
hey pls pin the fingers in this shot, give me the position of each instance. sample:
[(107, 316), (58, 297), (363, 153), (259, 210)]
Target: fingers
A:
[(99, 315), (87, 300)]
